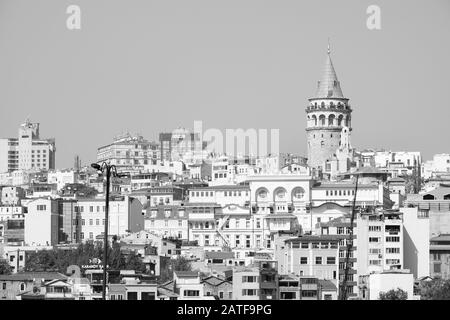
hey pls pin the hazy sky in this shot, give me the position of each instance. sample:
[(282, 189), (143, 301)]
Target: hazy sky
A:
[(151, 66)]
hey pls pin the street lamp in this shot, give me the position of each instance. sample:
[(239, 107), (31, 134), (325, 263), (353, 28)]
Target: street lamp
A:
[(107, 169)]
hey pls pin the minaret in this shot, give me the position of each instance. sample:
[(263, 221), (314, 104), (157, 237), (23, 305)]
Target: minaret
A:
[(327, 113)]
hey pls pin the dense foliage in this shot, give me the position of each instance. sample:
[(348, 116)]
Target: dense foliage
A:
[(437, 289), (5, 268), (60, 259), (178, 264), (398, 294)]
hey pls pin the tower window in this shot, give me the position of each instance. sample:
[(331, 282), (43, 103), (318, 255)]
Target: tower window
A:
[(331, 135)]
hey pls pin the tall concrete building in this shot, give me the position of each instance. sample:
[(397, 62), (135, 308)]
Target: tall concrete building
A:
[(328, 113), (28, 151)]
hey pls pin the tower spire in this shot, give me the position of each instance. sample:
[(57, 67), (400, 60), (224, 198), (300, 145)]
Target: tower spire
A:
[(329, 51)]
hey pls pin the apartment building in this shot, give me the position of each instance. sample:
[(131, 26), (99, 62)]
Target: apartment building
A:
[(438, 165), (258, 281), (178, 144), (340, 229), (129, 153), (437, 202), (373, 284), (379, 240), (28, 151), (167, 221), (42, 223), (316, 256), (440, 257), (84, 219), (306, 288)]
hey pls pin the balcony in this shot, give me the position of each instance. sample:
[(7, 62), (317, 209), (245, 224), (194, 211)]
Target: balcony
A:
[(268, 285), (309, 286)]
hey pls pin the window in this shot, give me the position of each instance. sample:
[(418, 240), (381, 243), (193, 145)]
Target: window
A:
[(392, 239), (97, 222), (180, 223), (22, 287), (392, 250), (91, 222), (4, 285), (83, 222), (331, 260), (374, 239), (191, 293), (375, 228), (318, 260), (249, 292), (91, 235), (249, 279), (303, 260), (436, 269), (221, 294), (41, 207), (305, 245)]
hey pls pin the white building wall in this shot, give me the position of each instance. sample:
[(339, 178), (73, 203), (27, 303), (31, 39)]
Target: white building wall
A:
[(416, 239)]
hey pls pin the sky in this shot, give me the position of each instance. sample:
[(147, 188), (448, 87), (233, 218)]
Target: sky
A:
[(152, 66)]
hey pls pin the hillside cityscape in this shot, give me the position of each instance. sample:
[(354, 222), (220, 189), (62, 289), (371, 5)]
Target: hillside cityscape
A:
[(188, 220)]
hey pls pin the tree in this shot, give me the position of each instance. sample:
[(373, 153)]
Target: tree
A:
[(398, 294), (5, 268), (178, 264), (437, 289)]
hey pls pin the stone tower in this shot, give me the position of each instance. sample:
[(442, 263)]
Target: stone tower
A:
[(327, 113)]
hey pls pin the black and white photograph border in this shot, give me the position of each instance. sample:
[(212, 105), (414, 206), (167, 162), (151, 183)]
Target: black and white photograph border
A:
[(224, 156)]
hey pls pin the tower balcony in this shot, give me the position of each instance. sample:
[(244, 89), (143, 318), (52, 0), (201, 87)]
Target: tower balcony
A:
[(326, 128), (311, 109)]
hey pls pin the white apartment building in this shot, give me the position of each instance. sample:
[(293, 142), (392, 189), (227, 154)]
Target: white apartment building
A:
[(222, 195), (41, 223), (129, 153), (395, 163), (84, 219), (167, 221), (372, 285), (416, 241), (439, 165), (28, 151), (230, 226), (379, 241)]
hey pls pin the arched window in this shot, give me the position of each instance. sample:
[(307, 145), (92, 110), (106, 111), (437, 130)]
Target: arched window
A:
[(347, 119), (279, 194), (447, 197), (331, 104), (322, 105), (340, 120), (322, 120), (428, 197), (331, 118), (298, 193), (314, 118)]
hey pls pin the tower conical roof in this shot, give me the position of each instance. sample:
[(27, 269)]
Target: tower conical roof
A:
[(329, 86)]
